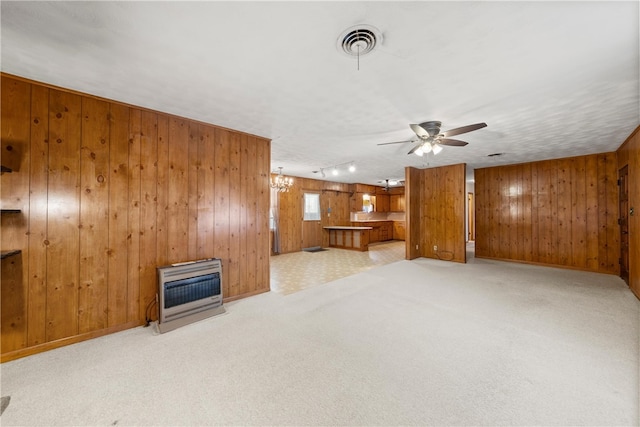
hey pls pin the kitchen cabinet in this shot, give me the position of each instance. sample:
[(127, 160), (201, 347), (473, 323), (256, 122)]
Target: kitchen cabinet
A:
[(382, 203), (397, 203), (355, 238), (398, 230), (380, 230)]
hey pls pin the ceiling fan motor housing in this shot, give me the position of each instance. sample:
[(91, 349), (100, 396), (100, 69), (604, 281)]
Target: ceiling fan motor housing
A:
[(432, 128)]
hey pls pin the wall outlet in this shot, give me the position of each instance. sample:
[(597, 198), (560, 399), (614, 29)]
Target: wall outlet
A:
[(435, 248), (416, 247)]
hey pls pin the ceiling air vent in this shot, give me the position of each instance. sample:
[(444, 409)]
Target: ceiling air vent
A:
[(359, 40)]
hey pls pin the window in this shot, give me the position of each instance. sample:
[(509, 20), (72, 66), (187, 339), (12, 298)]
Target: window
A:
[(311, 207)]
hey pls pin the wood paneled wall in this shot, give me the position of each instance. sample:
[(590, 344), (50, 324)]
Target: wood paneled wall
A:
[(333, 195), (435, 200), (629, 155), (559, 212), (107, 193)]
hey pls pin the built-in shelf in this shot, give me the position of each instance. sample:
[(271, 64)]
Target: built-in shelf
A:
[(7, 254), (10, 211)]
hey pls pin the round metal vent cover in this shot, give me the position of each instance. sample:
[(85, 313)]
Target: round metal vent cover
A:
[(359, 40)]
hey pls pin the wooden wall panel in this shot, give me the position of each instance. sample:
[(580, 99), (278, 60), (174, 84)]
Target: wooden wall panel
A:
[(148, 210), (178, 190), (592, 242), (233, 268), (94, 216), (37, 250), (259, 207), (133, 222), (578, 212), (108, 192), (16, 127), (221, 209), (63, 215), (206, 190), (565, 207), (117, 254), (162, 192), (435, 213)]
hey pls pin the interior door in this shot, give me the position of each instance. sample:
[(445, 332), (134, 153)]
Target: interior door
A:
[(624, 222), (311, 224)]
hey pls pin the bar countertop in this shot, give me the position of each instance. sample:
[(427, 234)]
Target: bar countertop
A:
[(345, 227)]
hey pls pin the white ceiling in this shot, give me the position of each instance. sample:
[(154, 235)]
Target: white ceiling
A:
[(550, 79)]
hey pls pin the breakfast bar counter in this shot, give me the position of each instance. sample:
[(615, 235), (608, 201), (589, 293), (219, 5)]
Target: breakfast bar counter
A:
[(345, 237)]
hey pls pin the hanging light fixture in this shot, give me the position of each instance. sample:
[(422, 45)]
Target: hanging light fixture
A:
[(427, 147), (281, 183), (352, 167)]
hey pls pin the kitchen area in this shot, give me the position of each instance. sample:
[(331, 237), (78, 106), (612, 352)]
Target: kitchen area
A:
[(377, 215)]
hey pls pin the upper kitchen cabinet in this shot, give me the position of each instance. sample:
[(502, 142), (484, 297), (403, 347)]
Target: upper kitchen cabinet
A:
[(382, 203), (396, 203)]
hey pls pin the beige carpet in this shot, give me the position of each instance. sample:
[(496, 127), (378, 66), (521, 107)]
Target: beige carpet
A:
[(419, 342)]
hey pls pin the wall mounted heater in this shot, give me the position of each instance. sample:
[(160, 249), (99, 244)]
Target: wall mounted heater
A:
[(188, 292)]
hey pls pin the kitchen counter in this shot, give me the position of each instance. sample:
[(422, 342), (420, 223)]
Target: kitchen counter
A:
[(348, 237), (345, 227), (374, 220)]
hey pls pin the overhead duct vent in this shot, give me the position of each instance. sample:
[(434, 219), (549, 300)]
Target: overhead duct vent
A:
[(359, 40)]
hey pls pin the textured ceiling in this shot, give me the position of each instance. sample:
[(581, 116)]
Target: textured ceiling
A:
[(550, 79)]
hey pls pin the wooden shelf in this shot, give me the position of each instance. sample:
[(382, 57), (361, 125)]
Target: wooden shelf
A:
[(7, 254), (10, 211)]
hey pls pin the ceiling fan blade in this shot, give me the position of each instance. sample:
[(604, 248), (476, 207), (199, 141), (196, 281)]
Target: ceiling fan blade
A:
[(414, 148), (463, 129), (421, 132), (397, 142), (452, 142)]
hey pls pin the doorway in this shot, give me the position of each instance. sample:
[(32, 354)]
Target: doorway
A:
[(311, 225), (623, 181), (471, 236)]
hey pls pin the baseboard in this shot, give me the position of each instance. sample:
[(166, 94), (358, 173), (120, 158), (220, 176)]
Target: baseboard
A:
[(40, 348)]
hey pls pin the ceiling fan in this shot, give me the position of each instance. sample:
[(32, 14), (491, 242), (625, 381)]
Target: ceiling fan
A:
[(391, 183), (431, 139)]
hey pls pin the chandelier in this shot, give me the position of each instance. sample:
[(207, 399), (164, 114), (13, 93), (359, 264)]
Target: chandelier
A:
[(281, 183)]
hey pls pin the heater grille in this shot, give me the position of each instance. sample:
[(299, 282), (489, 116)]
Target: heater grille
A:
[(188, 292)]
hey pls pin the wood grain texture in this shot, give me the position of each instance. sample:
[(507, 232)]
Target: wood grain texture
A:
[(108, 192), (133, 223), (117, 254), (148, 210), (435, 206), (63, 216), (563, 210), (37, 250), (15, 132), (94, 216)]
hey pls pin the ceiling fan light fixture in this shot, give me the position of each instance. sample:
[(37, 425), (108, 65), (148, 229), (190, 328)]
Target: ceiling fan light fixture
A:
[(436, 149), (419, 152)]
